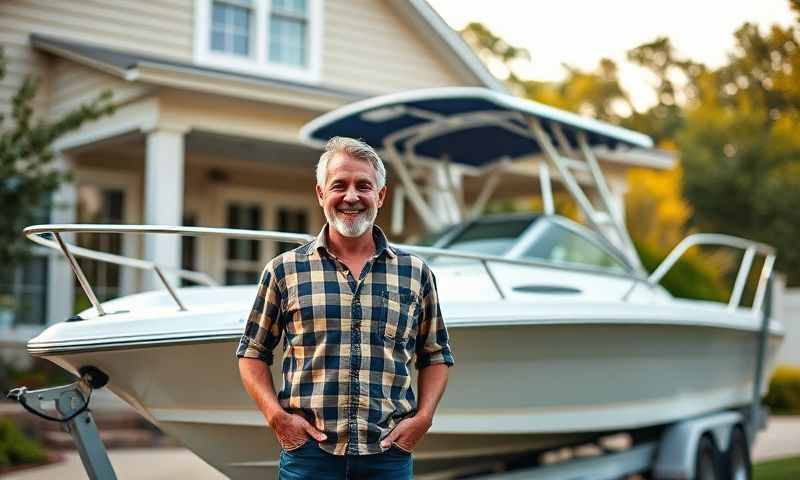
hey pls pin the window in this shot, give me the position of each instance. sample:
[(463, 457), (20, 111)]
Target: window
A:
[(561, 245), (288, 26), (23, 293), (243, 265), (230, 27), (292, 220), (23, 288), (188, 248), (278, 38), (98, 204)]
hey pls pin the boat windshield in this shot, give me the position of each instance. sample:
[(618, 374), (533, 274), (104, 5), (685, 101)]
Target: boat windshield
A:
[(490, 236)]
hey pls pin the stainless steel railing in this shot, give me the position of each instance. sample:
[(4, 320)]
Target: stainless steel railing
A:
[(36, 232), (750, 249)]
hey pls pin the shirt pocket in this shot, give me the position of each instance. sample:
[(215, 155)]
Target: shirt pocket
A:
[(299, 315), (400, 309)]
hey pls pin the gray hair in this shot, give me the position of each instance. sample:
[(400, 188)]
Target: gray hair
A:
[(354, 149)]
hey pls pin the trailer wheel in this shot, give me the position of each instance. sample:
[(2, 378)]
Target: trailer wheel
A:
[(707, 462), (737, 458)]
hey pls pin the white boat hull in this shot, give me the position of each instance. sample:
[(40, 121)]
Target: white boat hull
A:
[(537, 378)]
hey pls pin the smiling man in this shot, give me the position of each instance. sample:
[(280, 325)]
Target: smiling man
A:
[(353, 313)]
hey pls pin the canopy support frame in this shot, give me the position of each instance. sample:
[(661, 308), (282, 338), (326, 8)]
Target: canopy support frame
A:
[(572, 185)]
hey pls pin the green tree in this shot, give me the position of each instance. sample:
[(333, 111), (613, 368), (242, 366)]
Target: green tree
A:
[(495, 52), (740, 145), (675, 80), (597, 93), (27, 173), (734, 128)]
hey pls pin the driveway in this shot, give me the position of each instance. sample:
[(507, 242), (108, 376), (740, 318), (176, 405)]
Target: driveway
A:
[(781, 439), (149, 463)]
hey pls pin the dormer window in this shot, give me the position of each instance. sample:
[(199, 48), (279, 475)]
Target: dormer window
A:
[(231, 22), (288, 32), (274, 38)]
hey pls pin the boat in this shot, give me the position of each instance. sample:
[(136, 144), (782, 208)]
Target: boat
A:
[(560, 334)]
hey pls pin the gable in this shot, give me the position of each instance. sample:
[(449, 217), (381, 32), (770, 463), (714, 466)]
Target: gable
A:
[(368, 46)]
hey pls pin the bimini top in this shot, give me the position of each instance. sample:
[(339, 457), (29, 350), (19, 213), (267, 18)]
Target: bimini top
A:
[(472, 126)]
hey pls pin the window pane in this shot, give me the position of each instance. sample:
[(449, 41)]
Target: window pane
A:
[(217, 41), (240, 46), (244, 255), (293, 221), (241, 18), (239, 277), (230, 28), (292, 7), (287, 42), (97, 204), (218, 14), (23, 293)]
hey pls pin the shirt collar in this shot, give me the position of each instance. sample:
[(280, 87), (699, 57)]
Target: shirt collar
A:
[(381, 243)]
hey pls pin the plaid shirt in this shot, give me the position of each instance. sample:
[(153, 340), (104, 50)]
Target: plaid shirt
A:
[(348, 344)]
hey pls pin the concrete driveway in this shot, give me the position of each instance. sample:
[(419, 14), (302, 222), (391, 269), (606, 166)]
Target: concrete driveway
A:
[(781, 439), (149, 463)]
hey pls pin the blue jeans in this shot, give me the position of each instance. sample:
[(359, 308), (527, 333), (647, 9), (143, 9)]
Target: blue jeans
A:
[(309, 462)]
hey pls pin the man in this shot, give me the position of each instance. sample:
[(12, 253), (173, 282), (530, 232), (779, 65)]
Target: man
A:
[(352, 312)]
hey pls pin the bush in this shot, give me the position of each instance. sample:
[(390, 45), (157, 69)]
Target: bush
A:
[(16, 448), (688, 278), (783, 396)]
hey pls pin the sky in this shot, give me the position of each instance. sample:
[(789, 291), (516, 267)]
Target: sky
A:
[(581, 32)]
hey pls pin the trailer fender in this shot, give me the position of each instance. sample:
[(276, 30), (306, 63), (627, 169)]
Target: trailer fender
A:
[(678, 446)]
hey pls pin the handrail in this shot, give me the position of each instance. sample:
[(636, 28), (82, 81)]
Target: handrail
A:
[(749, 246), (34, 233), (70, 251)]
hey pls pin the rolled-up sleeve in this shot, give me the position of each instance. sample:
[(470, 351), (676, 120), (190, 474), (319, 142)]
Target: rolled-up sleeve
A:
[(433, 342), (262, 332)]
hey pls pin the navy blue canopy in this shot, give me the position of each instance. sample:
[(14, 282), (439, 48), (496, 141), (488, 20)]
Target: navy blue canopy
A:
[(457, 123)]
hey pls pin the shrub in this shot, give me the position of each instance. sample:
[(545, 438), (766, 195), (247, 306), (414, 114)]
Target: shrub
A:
[(16, 448), (688, 278), (783, 396)]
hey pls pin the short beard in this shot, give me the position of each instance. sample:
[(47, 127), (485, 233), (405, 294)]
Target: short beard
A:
[(354, 228)]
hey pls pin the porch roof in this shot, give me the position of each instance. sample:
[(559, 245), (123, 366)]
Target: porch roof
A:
[(126, 64)]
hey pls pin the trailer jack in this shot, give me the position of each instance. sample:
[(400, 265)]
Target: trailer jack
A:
[(72, 405)]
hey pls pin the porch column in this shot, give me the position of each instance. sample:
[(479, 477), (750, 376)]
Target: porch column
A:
[(60, 280), (163, 198)]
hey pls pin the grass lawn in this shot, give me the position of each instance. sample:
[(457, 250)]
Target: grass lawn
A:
[(783, 469)]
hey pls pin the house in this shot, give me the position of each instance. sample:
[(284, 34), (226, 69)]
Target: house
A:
[(211, 96)]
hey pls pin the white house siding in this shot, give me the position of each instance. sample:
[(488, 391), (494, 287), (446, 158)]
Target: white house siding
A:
[(368, 47), (236, 117), (72, 84), (163, 29)]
